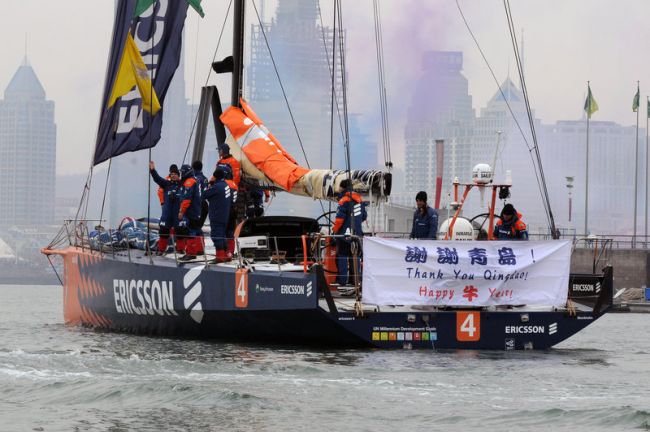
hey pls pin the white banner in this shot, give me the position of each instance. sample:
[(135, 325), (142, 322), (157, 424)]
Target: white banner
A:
[(465, 273)]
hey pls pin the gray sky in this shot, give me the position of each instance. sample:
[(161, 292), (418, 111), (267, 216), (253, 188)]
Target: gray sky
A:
[(566, 44)]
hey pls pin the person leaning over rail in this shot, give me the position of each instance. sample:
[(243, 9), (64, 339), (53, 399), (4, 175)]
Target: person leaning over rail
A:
[(170, 201), (510, 226), (425, 219)]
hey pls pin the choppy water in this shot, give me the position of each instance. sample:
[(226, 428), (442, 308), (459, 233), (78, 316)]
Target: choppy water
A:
[(54, 377)]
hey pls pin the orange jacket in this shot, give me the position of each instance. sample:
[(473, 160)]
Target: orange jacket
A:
[(161, 193), (235, 166)]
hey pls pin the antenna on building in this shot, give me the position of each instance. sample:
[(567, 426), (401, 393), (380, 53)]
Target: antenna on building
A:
[(25, 61)]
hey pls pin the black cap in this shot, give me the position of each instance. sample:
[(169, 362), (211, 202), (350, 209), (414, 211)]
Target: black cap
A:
[(197, 165), (219, 174), (421, 196), (345, 184), (173, 168), (224, 148), (508, 209), (185, 170)]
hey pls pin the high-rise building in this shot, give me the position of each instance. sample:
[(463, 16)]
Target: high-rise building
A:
[(611, 175), (301, 49), (27, 151), (498, 141), (441, 108)]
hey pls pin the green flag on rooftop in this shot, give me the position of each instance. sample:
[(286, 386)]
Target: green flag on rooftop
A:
[(591, 106)]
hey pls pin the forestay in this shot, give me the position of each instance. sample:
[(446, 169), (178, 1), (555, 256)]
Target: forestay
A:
[(473, 273)]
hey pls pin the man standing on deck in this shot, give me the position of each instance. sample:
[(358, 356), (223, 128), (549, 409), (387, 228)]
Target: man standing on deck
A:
[(170, 202), (350, 214), (227, 158), (226, 165), (219, 197), (197, 167), (425, 219), (189, 215)]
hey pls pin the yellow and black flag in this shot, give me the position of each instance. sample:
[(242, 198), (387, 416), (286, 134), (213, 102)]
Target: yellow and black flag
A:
[(145, 52), (133, 72), (591, 106)]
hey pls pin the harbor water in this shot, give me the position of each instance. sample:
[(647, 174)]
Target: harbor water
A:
[(59, 378)]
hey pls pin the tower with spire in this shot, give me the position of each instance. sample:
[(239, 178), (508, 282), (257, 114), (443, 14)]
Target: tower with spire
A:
[(27, 151)]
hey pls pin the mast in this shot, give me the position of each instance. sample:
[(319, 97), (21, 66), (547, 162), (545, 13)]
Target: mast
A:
[(238, 52), (636, 165)]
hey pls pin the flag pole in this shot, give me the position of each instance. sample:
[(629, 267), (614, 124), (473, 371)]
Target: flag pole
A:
[(636, 169), (647, 159), (587, 169)]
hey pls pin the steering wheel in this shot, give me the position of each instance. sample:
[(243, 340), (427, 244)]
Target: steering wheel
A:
[(486, 217), (325, 220)]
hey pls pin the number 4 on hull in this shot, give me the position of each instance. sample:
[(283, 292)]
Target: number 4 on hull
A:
[(468, 326)]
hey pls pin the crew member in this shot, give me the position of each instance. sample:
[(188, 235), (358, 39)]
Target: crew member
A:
[(254, 198), (197, 167), (227, 158), (169, 194), (189, 215), (219, 198), (425, 219), (226, 167), (350, 214), (510, 226)]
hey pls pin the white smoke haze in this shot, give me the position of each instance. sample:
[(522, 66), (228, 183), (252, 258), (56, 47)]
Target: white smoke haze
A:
[(566, 44)]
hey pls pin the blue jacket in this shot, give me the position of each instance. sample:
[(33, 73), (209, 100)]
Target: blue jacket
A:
[(191, 198), (514, 230), (202, 180), (172, 199), (219, 198), (351, 210), (425, 226)]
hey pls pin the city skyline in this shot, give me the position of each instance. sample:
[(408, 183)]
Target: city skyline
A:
[(575, 47)]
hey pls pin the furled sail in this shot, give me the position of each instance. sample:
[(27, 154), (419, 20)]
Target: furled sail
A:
[(157, 31), (265, 161)]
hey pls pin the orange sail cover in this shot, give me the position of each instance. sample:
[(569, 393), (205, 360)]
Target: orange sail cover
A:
[(261, 147)]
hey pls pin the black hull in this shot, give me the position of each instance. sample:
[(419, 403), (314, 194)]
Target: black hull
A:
[(221, 303)]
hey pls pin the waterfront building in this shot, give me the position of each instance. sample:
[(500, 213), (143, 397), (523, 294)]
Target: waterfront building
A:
[(301, 50), (441, 108), (611, 175), (27, 151)]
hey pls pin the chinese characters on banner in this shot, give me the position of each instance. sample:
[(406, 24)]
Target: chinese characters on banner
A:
[(478, 273)]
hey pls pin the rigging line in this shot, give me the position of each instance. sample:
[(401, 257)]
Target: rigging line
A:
[(108, 174), (334, 99), (492, 73), (382, 85), (196, 55), (284, 94), (207, 79), (543, 186), (537, 178), (329, 65), (348, 162), (151, 90)]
